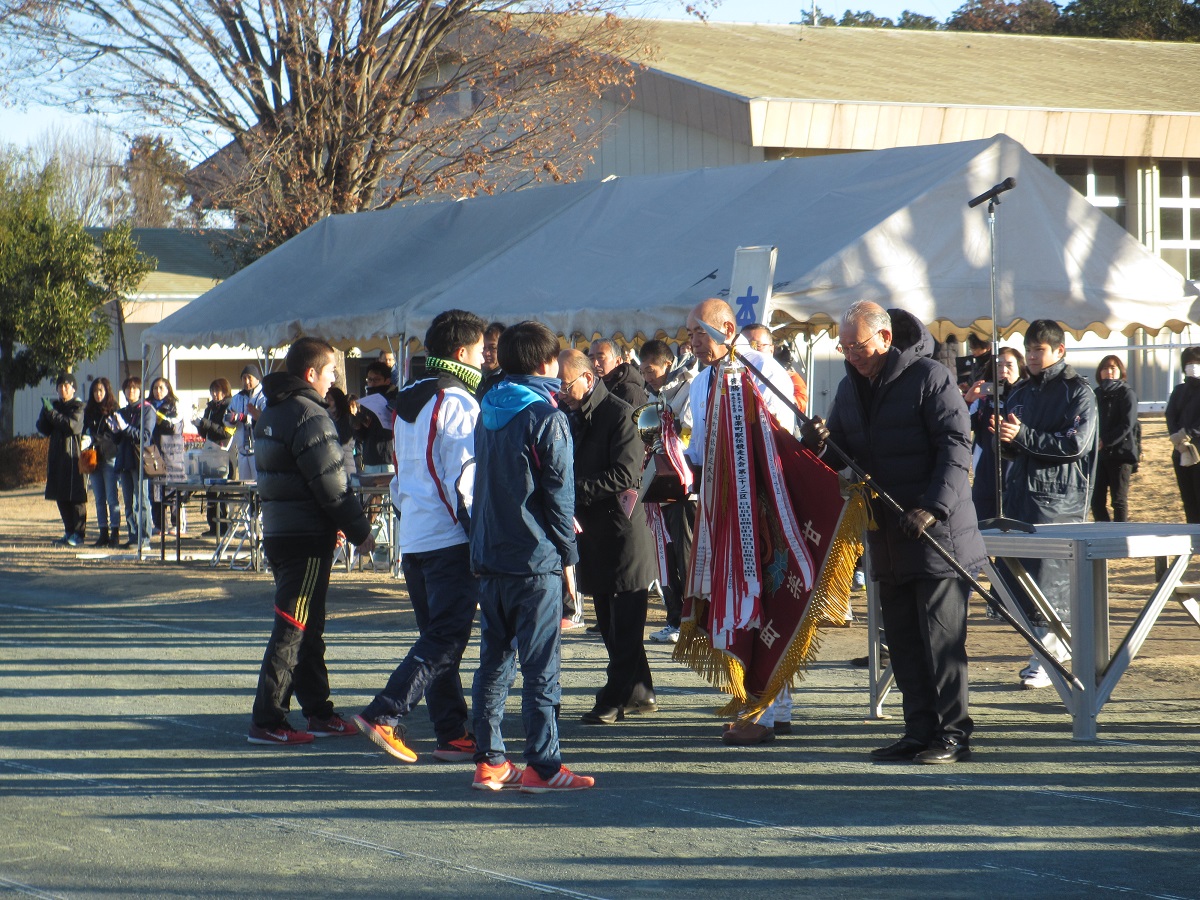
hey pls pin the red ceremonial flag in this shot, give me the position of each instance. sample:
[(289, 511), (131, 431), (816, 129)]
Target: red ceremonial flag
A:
[(774, 551)]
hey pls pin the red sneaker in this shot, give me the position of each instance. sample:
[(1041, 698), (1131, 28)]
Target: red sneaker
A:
[(496, 778), (562, 780), (570, 624), (282, 736), (334, 726), (389, 738), (456, 751)]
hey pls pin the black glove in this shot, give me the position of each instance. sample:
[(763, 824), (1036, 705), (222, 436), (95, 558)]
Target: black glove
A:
[(814, 434), (915, 521)]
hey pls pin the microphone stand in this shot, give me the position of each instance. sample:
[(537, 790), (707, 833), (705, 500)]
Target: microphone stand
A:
[(998, 521)]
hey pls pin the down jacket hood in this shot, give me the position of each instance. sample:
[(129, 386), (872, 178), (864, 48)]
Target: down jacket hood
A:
[(509, 397), (279, 386)]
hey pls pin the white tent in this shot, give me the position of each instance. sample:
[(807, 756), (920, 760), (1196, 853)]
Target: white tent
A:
[(632, 255)]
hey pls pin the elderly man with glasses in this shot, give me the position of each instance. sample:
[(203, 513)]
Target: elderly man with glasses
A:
[(900, 415)]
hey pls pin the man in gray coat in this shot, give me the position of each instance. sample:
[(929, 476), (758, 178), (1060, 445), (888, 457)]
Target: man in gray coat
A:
[(900, 415)]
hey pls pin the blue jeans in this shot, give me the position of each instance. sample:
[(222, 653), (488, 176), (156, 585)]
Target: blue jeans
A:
[(519, 616), (137, 509), (104, 489), (444, 595)]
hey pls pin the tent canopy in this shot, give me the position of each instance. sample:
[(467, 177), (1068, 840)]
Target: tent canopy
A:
[(631, 256)]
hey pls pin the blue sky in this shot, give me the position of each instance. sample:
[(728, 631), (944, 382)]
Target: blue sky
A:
[(21, 125)]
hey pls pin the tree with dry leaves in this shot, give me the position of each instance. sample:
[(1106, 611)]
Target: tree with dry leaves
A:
[(336, 106)]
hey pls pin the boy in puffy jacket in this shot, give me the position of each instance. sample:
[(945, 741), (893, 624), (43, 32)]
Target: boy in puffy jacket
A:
[(306, 500)]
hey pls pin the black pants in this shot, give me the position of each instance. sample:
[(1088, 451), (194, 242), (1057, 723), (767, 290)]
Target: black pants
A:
[(1188, 479), (622, 620), (295, 658), (680, 518), (926, 626), (1111, 477), (74, 517)]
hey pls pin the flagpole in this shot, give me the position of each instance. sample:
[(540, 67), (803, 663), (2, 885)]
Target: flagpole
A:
[(891, 503)]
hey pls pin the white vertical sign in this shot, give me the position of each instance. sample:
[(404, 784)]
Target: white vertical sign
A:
[(750, 285)]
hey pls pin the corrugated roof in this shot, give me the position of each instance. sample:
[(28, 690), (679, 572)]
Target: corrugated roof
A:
[(938, 67), (189, 261)]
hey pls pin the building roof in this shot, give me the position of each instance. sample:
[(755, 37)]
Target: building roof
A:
[(943, 67), (797, 87), (190, 261)]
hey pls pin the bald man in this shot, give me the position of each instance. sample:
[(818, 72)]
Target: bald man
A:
[(710, 354), (616, 550)]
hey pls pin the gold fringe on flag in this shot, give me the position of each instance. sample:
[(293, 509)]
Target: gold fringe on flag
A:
[(832, 593)]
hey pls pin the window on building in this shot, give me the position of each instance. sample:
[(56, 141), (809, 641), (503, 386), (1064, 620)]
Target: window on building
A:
[(1179, 215), (1101, 180)]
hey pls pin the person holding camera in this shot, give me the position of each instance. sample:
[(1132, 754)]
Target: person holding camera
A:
[(984, 406), (103, 425)]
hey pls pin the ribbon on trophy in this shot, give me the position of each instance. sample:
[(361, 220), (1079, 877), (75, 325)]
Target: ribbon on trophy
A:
[(774, 551)]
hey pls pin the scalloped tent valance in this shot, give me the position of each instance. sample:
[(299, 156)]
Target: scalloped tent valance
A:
[(633, 255)]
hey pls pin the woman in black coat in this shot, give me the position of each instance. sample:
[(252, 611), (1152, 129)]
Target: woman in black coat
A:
[(1012, 371), (62, 421), (338, 405), (218, 437), (105, 427), (1183, 425), (1120, 441), (167, 421)]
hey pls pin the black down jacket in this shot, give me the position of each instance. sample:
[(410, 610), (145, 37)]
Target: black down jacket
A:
[(913, 436), (616, 551), (1054, 453), (301, 477)]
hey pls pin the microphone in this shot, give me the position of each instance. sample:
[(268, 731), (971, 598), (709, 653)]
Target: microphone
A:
[(993, 193)]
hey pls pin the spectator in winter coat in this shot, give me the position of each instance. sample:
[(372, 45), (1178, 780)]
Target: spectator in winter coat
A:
[(306, 500), (901, 416), (1183, 425), (1120, 443), (244, 410), (103, 425), (375, 419), (61, 420), (338, 405), (167, 421), (1049, 433), (979, 395), (218, 435), (139, 418)]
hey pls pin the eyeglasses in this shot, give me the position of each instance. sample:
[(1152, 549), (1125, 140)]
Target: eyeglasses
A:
[(847, 349), (567, 384), (762, 345)]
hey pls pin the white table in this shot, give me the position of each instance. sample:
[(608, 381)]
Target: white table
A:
[(1087, 547)]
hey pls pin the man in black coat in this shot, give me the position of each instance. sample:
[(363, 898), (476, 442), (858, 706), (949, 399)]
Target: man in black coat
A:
[(616, 551), (620, 378), (901, 416), (1049, 433), (306, 500)]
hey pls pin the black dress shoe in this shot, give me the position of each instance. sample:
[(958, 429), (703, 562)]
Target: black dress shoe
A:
[(885, 659), (602, 715), (640, 707), (944, 750), (783, 727), (904, 750)]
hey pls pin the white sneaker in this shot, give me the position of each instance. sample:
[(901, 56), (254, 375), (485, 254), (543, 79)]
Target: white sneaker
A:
[(1037, 678), (860, 580), (667, 635)]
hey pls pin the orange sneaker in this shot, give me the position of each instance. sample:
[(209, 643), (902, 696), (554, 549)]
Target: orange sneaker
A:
[(562, 780), (458, 750), (389, 738), (496, 778)]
